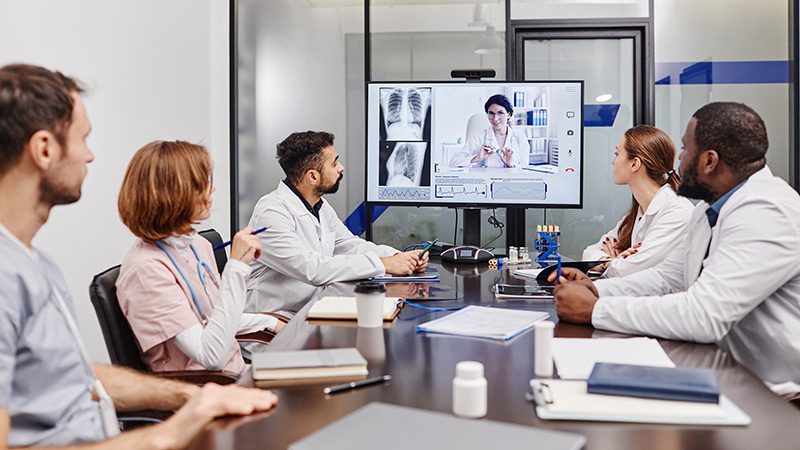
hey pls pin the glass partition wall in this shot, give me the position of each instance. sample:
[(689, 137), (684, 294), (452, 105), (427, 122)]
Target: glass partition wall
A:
[(302, 65)]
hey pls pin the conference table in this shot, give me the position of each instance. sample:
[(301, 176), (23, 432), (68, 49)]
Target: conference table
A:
[(423, 366)]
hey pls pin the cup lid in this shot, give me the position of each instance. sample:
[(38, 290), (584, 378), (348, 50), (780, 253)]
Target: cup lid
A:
[(369, 287)]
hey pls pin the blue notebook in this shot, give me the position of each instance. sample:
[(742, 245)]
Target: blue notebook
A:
[(664, 383)]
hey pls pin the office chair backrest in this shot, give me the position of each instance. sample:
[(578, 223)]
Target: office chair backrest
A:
[(212, 236), (121, 344), (475, 124)]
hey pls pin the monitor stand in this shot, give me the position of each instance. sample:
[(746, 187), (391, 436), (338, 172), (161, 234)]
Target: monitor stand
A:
[(472, 226)]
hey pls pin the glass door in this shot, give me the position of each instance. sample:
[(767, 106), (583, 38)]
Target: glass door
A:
[(610, 63)]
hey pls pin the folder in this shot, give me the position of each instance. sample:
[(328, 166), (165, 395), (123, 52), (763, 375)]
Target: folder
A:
[(665, 383), (570, 400)]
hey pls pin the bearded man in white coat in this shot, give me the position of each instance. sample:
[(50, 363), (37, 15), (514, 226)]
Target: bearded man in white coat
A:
[(306, 245), (735, 278)]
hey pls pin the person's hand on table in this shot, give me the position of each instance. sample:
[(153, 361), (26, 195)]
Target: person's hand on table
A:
[(574, 300), (421, 262), (401, 263), (571, 274)]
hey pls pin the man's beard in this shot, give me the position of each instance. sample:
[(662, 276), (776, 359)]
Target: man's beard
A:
[(691, 188), (53, 191), (333, 188)]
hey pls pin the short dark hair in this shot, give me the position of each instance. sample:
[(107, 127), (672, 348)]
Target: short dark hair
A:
[(736, 132), (32, 98), (301, 152), (501, 100)]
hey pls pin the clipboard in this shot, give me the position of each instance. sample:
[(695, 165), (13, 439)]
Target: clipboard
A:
[(568, 400)]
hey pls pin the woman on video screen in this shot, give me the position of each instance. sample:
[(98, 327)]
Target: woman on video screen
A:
[(658, 217), (496, 146)]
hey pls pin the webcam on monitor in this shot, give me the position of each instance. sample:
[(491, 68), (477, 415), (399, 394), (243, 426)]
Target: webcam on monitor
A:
[(472, 73)]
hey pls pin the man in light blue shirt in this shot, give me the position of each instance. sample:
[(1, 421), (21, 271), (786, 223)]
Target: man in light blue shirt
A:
[(47, 382)]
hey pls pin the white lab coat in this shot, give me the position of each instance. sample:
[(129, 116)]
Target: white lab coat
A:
[(660, 229), (747, 298), (301, 254), (474, 143)]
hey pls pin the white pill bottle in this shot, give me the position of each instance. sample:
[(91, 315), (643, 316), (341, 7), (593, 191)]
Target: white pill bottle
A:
[(469, 390)]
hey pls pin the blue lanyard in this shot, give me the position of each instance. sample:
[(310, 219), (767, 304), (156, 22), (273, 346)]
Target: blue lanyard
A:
[(200, 265)]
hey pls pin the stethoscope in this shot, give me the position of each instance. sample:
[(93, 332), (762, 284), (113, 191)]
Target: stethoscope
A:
[(200, 266)]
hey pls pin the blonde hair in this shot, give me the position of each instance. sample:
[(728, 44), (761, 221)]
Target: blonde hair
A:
[(164, 188)]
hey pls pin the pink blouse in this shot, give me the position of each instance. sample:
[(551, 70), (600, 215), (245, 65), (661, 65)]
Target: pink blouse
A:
[(158, 305)]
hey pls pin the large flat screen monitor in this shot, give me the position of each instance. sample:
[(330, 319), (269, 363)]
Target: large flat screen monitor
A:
[(434, 144)]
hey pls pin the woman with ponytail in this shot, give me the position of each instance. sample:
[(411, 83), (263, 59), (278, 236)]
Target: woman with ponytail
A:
[(658, 217)]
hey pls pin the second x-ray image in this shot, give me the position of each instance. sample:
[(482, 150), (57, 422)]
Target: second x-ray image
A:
[(405, 114), (404, 164)]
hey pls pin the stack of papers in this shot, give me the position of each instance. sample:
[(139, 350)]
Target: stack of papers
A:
[(527, 273), (484, 322), (575, 358)]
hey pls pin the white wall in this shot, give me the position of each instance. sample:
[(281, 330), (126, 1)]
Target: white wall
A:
[(154, 70)]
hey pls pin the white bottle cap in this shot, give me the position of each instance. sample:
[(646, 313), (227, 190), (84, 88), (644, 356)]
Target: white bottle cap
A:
[(469, 370)]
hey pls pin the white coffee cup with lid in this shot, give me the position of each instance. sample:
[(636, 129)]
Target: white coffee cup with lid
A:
[(370, 297)]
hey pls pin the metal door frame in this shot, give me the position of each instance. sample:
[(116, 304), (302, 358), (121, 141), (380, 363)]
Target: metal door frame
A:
[(639, 29)]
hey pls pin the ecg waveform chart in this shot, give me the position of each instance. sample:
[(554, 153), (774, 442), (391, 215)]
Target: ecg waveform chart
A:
[(528, 190), (404, 193), (460, 191)]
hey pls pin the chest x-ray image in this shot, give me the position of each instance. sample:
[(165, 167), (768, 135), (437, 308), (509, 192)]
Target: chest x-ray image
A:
[(405, 136)]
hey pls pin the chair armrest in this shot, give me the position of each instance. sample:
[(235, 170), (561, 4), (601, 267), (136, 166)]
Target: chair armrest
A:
[(200, 377), (256, 336)]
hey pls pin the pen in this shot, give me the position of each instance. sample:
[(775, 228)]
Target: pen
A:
[(427, 247), (227, 243), (356, 384), (558, 268)]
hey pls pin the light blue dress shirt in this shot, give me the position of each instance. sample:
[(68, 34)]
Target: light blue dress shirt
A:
[(44, 383)]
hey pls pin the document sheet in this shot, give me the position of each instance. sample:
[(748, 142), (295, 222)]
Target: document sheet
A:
[(575, 358), (483, 322)]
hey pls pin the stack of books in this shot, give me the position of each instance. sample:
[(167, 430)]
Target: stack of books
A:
[(272, 369)]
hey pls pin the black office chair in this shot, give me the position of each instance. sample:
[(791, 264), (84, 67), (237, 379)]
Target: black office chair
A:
[(122, 347), (212, 236)]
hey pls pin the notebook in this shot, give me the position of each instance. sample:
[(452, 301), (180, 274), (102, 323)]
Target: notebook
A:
[(380, 426), (665, 383), (344, 308), (304, 366)]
